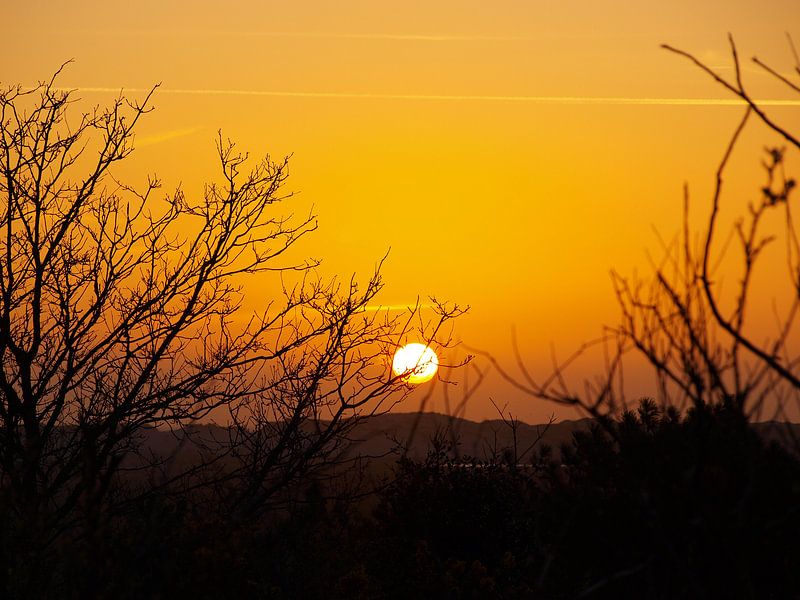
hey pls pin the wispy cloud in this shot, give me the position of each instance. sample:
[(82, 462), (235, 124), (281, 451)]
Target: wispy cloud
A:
[(563, 100), (402, 37), (411, 37), (157, 138), (395, 307)]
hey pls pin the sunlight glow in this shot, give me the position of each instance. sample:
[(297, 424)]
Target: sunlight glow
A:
[(417, 363)]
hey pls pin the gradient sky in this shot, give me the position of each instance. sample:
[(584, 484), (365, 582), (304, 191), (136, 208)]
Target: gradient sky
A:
[(510, 153)]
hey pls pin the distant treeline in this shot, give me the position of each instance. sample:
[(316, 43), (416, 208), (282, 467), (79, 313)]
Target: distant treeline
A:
[(652, 504)]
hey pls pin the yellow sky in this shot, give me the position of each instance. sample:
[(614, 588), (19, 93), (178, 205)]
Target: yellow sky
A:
[(510, 152)]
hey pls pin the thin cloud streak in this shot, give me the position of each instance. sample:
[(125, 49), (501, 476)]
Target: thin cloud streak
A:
[(394, 307), (403, 37), (564, 100), (381, 36), (150, 140)]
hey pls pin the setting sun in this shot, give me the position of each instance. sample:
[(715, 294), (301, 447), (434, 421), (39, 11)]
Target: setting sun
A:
[(417, 361), (235, 237)]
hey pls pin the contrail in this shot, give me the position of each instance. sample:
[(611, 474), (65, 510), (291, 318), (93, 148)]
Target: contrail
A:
[(559, 100), (411, 37), (382, 36)]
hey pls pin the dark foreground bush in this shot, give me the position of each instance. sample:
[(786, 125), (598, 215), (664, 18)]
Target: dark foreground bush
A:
[(650, 505)]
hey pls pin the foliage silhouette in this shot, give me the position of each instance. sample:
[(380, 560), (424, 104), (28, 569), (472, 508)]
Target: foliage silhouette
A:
[(700, 342), (114, 324), (652, 504), (121, 313)]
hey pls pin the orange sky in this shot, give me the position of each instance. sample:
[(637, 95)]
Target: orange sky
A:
[(510, 153)]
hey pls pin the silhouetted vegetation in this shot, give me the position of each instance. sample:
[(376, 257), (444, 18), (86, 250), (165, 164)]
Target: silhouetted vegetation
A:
[(651, 504), (122, 312), (647, 505), (700, 337), (118, 328)]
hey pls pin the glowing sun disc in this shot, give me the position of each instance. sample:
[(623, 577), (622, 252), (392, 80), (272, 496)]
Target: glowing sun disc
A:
[(416, 363)]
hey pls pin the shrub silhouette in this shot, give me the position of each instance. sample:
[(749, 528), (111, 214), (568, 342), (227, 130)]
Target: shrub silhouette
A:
[(651, 504), (691, 507), (459, 525)]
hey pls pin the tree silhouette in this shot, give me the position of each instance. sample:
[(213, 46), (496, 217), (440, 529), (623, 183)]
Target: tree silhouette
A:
[(700, 341), (122, 313), (681, 498)]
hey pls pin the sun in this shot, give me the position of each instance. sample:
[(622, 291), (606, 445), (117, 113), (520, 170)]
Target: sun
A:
[(417, 363)]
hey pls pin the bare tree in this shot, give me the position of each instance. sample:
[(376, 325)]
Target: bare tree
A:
[(121, 312), (680, 322), (697, 338)]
